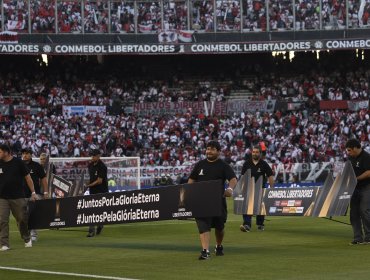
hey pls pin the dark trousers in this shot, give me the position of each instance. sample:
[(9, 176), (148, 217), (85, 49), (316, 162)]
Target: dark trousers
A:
[(247, 220), (92, 228), (360, 213), (19, 209)]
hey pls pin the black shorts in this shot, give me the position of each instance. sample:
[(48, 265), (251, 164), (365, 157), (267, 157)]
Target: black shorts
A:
[(205, 224)]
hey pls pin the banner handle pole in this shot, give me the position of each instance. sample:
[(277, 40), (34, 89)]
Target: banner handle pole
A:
[(331, 219)]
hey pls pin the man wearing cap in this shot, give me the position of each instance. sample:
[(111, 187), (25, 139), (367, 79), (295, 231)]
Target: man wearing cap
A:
[(38, 177), (98, 183)]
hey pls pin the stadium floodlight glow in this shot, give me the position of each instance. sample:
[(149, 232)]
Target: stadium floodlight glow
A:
[(45, 59)]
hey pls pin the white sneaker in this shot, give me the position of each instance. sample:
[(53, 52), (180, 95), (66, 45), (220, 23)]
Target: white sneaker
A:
[(34, 238), (28, 244), (4, 248)]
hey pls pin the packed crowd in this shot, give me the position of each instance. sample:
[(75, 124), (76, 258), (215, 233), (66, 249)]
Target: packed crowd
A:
[(176, 140), (305, 135), (94, 16), (91, 83)]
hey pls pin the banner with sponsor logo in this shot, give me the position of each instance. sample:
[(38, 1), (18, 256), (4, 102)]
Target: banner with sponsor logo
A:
[(332, 199), (84, 110), (184, 48), (201, 199), (289, 201)]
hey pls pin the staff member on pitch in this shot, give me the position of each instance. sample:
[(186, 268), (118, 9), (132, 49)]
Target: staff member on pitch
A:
[(213, 168), (98, 183), (38, 176), (258, 168), (12, 197), (360, 200)]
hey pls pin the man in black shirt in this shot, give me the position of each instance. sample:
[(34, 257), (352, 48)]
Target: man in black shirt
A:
[(258, 168), (38, 177), (213, 168), (44, 162), (360, 200), (12, 197), (98, 183), (37, 174)]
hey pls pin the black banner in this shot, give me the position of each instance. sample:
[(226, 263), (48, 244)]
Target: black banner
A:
[(189, 48), (240, 193), (289, 201), (248, 195), (201, 199), (337, 198)]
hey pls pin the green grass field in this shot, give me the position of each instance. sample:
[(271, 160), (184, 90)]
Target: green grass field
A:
[(289, 248)]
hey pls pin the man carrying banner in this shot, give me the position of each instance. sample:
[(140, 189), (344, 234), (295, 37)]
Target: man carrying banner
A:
[(38, 176), (213, 168), (258, 167), (12, 197), (44, 162), (360, 200), (98, 183)]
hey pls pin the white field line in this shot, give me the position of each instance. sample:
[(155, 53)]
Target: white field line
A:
[(63, 273)]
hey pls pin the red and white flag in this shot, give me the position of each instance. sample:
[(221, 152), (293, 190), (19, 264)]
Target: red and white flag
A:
[(185, 36), (9, 37), (15, 24), (145, 28)]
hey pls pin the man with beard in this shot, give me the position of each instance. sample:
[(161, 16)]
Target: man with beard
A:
[(258, 168), (360, 200), (213, 168)]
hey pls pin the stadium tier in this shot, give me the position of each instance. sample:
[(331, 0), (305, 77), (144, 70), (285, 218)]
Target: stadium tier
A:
[(182, 26), (164, 110)]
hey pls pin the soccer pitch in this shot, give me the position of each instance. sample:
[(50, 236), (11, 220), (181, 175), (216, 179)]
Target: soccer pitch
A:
[(289, 248)]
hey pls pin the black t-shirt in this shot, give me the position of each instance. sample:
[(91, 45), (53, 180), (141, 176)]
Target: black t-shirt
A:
[(361, 164), (37, 173), (217, 170), (98, 170), (260, 169), (12, 175)]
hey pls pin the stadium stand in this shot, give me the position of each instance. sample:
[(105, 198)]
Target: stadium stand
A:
[(307, 134)]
